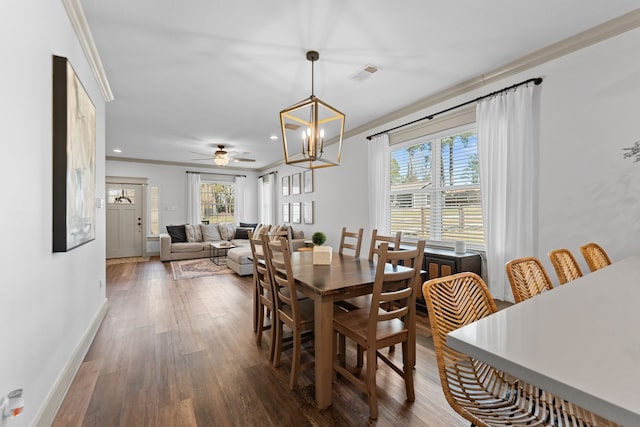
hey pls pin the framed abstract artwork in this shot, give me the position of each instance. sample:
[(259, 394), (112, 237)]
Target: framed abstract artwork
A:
[(74, 160), (285, 212), (308, 181), (285, 185), (307, 211), (295, 183), (295, 213)]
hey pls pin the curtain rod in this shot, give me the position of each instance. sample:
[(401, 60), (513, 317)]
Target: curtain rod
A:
[(270, 173), (216, 173), (535, 80)]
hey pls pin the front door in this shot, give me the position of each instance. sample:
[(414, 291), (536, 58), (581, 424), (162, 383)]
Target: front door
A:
[(124, 220)]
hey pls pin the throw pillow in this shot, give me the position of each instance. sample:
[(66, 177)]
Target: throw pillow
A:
[(298, 234), (177, 233), (246, 224), (193, 233), (227, 231), (242, 232), (210, 232)]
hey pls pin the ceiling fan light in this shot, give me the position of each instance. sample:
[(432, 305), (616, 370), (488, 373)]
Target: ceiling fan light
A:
[(221, 161)]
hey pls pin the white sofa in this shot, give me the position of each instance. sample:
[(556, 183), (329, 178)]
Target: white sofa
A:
[(198, 241)]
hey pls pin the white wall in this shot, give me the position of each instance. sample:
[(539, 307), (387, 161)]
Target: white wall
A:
[(587, 191), (47, 301), (172, 184)]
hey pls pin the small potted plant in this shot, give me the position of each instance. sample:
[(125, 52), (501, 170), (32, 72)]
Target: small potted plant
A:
[(321, 254), (318, 238)]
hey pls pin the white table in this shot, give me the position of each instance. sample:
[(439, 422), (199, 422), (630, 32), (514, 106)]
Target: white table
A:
[(580, 341)]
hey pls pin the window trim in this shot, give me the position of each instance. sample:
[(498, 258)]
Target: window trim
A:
[(220, 182), (441, 129)]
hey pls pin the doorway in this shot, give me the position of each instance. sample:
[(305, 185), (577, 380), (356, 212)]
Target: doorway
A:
[(125, 223)]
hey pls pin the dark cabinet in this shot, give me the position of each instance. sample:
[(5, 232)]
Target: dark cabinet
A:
[(444, 262)]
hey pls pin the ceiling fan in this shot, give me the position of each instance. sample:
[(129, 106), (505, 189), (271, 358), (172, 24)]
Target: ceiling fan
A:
[(221, 157)]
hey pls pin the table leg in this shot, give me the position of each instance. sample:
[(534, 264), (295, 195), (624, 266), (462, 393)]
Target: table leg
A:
[(324, 349)]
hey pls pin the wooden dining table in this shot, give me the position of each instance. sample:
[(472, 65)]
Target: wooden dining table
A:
[(579, 341), (344, 278)]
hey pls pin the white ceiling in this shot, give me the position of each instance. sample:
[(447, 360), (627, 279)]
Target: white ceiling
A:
[(188, 76)]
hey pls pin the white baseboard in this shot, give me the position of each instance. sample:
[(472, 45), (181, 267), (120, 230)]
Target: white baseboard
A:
[(51, 405)]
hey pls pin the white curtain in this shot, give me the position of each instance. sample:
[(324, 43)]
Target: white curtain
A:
[(507, 153), (194, 215), (266, 199), (240, 191), (378, 152)]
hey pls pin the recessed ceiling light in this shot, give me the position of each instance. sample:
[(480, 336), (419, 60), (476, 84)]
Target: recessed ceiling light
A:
[(273, 137), (117, 150)]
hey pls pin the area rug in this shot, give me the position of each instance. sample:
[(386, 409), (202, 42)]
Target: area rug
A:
[(127, 260), (192, 268)]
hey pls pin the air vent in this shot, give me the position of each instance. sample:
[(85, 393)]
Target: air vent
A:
[(365, 72)]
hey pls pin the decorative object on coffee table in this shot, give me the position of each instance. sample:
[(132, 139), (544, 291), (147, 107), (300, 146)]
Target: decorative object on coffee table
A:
[(218, 251)]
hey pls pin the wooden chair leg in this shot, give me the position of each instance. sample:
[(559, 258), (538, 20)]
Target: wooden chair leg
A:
[(260, 322), (371, 383), (342, 350), (272, 348), (255, 306), (278, 349), (295, 360), (407, 370)]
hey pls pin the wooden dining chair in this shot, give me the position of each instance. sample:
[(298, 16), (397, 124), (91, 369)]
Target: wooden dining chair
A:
[(377, 239), (595, 256), (527, 277), (478, 392), (264, 305), (256, 300), (295, 313), (372, 328), (565, 264), (347, 241)]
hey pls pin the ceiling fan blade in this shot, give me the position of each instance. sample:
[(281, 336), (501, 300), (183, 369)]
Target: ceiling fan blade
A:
[(240, 159), (209, 156), (202, 160)]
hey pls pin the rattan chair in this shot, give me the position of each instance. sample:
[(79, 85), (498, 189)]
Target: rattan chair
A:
[(595, 256), (295, 313), (478, 392), (347, 241), (528, 278), (373, 328), (565, 264)]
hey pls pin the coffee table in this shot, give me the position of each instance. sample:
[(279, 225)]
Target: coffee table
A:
[(218, 252)]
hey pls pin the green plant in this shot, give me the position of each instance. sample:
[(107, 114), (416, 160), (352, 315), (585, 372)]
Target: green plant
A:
[(318, 238)]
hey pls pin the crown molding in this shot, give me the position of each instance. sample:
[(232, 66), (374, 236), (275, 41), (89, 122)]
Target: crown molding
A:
[(81, 27), (180, 164), (604, 31)]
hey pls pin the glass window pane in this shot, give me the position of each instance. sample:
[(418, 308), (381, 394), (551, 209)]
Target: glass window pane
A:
[(217, 202), (435, 190)]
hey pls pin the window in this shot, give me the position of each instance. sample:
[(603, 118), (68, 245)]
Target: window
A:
[(154, 211), (217, 202), (435, 188)]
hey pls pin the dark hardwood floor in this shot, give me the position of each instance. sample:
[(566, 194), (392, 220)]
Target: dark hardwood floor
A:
[(183, 353)]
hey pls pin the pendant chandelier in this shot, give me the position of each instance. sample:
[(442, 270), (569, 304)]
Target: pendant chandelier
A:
[(307, 129)]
